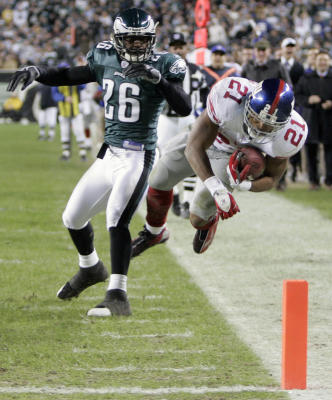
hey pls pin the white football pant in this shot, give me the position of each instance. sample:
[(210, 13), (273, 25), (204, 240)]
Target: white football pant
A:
[(115, 183), (47, 117)]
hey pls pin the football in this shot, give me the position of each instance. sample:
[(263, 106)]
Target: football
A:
[(255, 158)]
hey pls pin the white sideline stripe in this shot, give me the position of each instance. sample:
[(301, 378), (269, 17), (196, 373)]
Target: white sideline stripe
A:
[(77, 350), (130, 321), (149, 297), (150, 335), (130, 368), (137, 390), (34, 231), (180, 351), (2, 261), (146, 321)]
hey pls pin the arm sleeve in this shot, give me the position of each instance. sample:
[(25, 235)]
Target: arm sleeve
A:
[(176, 97), (66, 76)]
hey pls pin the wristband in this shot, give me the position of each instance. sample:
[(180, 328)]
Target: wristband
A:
[(245, 185)]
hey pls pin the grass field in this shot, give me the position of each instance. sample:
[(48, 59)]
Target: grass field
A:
[(174, 346)]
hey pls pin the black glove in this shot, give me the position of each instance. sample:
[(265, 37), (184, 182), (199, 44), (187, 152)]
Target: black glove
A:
[(144, 71), (25, 75)]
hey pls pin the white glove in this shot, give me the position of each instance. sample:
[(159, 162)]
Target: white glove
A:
[(240, 186), (225, 202)]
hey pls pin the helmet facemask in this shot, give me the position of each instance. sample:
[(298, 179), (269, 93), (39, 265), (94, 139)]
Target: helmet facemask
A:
[(263, 117), (130, 25), (135, 54)]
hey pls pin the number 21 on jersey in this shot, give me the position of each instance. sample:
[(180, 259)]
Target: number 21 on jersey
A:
[(293, 136)]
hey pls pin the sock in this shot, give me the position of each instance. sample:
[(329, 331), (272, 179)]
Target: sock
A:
[(89, 260), (118, 281), (154, 230), (83, 239), (158, 204), (120, 249)]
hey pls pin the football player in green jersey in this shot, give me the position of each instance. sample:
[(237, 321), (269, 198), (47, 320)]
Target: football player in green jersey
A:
[(136, 82)]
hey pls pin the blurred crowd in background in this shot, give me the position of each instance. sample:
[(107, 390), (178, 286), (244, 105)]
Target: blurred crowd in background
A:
[(291, 40), (38, 31)]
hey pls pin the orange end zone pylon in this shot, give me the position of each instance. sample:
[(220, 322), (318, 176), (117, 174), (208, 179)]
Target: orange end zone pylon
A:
[(294, 334)]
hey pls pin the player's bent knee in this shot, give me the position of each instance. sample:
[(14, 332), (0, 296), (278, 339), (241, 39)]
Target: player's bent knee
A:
[(159, 177), (71, 222), (196, 221)]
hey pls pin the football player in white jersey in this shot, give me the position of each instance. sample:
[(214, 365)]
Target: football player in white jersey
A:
[(239, 113)]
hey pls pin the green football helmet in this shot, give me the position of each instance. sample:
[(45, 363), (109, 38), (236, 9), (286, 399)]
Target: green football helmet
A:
[(131, 26)]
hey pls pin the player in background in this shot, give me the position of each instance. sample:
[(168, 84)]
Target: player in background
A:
[(171, 123), (239, 113), (47, 113), (136, 82), (70, 117)]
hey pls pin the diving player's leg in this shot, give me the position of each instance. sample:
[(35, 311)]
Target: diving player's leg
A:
[(128, 189), (170, 170), (88, 198), (203, 212), (167, 128)]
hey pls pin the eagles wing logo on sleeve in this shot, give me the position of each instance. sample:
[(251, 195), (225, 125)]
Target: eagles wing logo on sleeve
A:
[(178, 67)]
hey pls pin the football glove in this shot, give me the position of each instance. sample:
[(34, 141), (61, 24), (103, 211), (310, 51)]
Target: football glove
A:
[(143, 71), (238, 180), (25, 75), (225, 202)]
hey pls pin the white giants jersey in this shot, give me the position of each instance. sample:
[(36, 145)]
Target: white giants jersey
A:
[(225, 107)]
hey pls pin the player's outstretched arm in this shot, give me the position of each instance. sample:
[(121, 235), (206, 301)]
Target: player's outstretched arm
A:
[(61, 76)]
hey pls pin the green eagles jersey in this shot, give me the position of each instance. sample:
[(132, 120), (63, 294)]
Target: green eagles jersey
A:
[(132, 105)]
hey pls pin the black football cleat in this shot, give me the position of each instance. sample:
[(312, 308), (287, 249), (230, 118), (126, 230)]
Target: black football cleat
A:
[(146, 239), (115, 303), (84, 278)]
